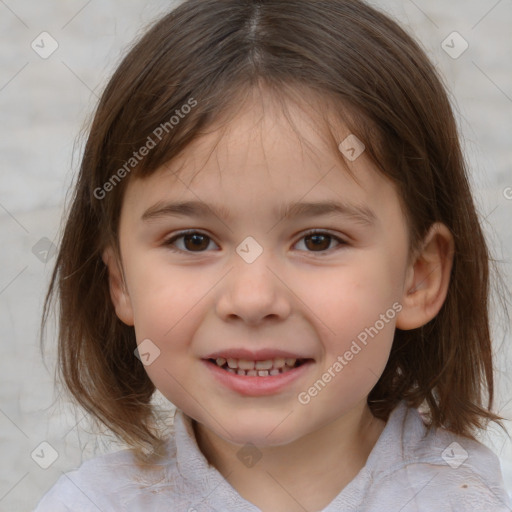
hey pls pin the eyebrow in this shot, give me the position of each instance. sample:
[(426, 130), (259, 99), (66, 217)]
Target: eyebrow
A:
[(198, 209)]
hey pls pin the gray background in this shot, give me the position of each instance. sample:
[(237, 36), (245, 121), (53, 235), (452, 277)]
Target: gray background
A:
[(43, 105)]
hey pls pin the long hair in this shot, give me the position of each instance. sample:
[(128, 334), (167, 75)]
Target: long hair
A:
[(205, 55)]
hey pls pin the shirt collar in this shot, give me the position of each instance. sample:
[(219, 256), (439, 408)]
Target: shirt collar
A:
[(204, 481)]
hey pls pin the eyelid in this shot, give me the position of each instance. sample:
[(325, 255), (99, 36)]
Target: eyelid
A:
[(168, 241)]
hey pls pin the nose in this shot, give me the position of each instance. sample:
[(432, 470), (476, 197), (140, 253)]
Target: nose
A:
[(253, 293)]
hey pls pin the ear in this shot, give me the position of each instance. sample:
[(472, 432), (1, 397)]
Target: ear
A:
[(118, 291), (427, 280)]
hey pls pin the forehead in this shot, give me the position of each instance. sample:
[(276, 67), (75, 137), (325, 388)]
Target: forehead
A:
[(265, 150)]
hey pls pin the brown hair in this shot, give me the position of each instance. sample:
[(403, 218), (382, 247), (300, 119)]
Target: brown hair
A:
[(392, 99)]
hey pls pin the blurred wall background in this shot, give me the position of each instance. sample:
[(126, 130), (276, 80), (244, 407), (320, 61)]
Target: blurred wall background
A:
[(50, 83)]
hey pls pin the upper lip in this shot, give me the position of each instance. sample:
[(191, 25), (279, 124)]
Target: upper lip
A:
[(254, 355)]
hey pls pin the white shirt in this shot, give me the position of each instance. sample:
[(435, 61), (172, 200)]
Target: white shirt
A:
[(405, 472)]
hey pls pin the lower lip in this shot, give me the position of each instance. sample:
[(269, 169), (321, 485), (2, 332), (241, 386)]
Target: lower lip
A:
[(257, 386)]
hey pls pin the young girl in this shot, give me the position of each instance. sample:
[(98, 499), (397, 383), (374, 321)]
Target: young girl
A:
[(273, 226)]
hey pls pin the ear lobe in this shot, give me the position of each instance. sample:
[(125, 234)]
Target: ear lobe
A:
[(118, 291), (427, 280)]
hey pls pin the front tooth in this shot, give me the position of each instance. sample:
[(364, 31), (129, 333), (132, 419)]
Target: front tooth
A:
[(245, 365), (274, 371), (220, 361), (264, 365), (290, 361), (232, 363), (263, 373), (252, 373), (279, 362), (240, 372)]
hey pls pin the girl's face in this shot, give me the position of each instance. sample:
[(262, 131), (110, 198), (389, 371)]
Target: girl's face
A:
[(255, 287)]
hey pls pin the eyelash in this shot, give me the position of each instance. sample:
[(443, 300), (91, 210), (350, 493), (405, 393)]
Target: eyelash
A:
[(168, 243)]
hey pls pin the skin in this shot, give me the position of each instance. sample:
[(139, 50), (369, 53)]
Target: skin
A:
[(294, 296)]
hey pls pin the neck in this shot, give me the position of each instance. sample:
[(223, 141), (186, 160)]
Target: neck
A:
[(307, 473)]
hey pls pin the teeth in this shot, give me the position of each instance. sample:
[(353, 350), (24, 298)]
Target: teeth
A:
[(264, 365), (257, 368), (245, 365), (279, 362)]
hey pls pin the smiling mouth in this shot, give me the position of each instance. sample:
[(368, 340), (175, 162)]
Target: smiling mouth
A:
[(269, 367)]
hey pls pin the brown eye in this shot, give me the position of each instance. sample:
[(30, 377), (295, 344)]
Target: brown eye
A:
[(193, 241), (318, 241)]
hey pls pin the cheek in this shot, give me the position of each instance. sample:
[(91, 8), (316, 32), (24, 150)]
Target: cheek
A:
[(346, 300), (354, 309), (164, 297), (164, 315), (163, 302)]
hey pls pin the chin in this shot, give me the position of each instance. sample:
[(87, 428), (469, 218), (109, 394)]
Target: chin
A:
[(262, 432)]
